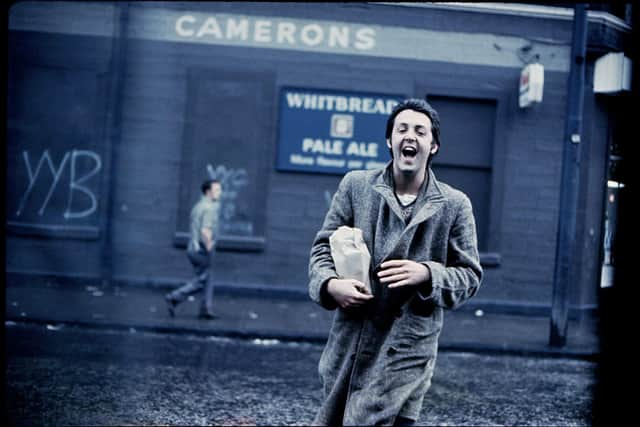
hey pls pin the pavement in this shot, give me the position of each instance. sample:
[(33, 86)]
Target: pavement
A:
[(57, 303)]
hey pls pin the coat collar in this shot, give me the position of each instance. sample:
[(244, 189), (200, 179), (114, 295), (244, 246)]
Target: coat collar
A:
[(430, 198)]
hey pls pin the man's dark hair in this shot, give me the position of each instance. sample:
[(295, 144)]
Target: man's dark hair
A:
[(421, 106), (206, 185)]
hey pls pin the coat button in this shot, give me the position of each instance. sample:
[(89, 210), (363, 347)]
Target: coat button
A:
[(353, 356)]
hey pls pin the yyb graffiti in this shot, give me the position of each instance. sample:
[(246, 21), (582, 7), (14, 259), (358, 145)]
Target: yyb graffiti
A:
[(232, 180), (78, 178)]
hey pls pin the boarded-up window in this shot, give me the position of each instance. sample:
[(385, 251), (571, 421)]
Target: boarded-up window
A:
[(55, 123), (228, 134), (466, 156)]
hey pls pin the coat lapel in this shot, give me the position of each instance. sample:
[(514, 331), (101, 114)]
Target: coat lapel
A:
[(430, 198), (430, 201)]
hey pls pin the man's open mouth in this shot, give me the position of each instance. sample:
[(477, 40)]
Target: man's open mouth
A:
[(409, 151)]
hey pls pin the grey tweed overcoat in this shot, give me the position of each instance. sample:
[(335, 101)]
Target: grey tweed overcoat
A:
[(379, 358)]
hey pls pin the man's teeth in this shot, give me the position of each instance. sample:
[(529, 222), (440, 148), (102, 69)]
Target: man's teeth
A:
[(409, 151)]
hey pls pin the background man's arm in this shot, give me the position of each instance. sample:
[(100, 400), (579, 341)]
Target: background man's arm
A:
[(206, 235), (206, 232)]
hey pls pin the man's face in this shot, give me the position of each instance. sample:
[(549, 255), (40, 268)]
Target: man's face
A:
[(411, 142), (215, 191)]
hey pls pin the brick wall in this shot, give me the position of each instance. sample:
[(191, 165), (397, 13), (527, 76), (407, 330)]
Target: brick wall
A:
[(147, 181)]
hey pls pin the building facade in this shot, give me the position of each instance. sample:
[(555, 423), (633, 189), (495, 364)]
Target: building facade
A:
[(117, 112)]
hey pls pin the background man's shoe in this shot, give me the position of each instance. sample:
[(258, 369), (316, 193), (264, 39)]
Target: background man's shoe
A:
[(171, 305)]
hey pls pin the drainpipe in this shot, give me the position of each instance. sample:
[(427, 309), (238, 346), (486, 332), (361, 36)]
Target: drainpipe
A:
[(116, 95), (564, 275)]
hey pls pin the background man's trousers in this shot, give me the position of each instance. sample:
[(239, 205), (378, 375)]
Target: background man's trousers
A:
[(201, 261)]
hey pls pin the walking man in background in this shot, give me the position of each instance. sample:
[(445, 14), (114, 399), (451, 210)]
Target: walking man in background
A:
[(203, 232), (380, 355)]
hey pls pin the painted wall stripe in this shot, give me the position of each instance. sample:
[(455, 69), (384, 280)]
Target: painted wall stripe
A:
[(272, 32)]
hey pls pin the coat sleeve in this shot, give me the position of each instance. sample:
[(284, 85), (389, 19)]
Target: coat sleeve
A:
[(452, 284), (321, 266)]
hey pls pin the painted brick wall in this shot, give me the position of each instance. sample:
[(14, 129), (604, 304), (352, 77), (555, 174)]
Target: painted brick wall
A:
[(147, 180)]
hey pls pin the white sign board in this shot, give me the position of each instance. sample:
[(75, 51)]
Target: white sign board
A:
[(531, 84), (612, 73)]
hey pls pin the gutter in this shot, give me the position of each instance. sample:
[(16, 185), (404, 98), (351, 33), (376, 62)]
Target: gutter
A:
[(523, 10)]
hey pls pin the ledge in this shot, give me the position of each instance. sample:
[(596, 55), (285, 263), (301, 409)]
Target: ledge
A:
[(490, 259), (53, 231), (227, 243)]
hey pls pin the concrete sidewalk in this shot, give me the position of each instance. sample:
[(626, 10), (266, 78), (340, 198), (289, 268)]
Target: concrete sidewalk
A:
[(57, 304)]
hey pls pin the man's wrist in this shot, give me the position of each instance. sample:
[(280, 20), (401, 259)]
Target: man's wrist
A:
[(328, 285), (425, 288), (325, 295)]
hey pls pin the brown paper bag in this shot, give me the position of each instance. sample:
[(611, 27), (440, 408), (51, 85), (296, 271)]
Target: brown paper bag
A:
[(350, 255)]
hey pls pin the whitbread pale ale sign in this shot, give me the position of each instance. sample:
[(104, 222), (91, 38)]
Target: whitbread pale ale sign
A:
[(332, 132)]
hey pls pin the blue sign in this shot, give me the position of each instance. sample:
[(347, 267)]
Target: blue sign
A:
[(333, 132)]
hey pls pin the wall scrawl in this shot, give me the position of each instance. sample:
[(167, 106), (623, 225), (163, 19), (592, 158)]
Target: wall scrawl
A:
[(78, 178), (233, 181)]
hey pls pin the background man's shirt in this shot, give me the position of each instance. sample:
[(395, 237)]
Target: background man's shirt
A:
[(203, 215)]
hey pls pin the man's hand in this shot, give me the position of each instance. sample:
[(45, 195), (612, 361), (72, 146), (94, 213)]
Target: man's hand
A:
[(402, 272), (348, 292)]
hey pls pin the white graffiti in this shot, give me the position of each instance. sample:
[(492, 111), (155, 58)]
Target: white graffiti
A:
[(76, 181), (232, 180)]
